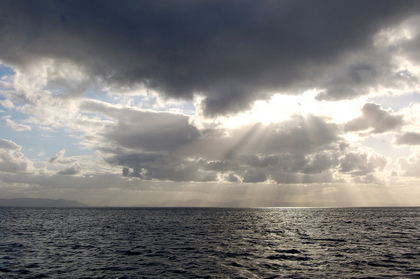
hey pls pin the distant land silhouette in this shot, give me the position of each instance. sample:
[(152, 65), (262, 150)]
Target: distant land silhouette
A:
[(233, 203), (254, 202), (38, 202)]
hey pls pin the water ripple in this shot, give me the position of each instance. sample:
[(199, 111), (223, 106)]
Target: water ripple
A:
[(209, 243)]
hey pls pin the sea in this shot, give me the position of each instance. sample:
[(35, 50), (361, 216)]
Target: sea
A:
[(210, 242)]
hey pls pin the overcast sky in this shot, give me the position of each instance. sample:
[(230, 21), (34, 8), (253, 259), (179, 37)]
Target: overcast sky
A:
[(124, 103)]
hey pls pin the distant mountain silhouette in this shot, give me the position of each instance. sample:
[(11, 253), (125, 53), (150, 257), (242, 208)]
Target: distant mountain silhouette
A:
[(233, 203), (34, 202)]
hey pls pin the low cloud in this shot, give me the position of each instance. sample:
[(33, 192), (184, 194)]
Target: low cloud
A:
[(361, 164), (302, 149), (160, 167), (71, 170), (59, 158), (74, 167), (301, 178), (410, 166)]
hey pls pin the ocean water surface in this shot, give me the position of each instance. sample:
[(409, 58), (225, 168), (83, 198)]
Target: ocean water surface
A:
[(209, 243)]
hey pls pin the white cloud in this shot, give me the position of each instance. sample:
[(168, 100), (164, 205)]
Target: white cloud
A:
[(12, 160), (7, 104), (17, 126)]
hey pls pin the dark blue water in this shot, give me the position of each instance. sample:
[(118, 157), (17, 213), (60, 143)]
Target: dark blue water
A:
[(210, 243)]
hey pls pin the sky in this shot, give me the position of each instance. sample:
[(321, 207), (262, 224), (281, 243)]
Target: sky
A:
[(246, 103)]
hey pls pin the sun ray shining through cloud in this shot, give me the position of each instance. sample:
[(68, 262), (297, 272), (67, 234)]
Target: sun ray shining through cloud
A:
[(211, 103)]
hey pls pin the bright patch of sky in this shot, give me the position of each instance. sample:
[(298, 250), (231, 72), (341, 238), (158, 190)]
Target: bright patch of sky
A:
[(281, 107), (397, 102)]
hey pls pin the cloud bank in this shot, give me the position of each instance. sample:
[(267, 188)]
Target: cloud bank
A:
[(230, 52)]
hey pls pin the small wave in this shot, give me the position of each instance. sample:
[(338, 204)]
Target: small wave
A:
[(330, 239), (32, 265), (287, 257), (150, 264), (39, 276), (23, 271), (131, 253), (288, 251), (3, 269), (78, 246), (235, 255), (381, 264), (235, 264), (178, 271), (184, 248), (117, 268)]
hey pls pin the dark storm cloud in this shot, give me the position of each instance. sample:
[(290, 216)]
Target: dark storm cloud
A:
[(231, 52), (375, 118), (359, 75)]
